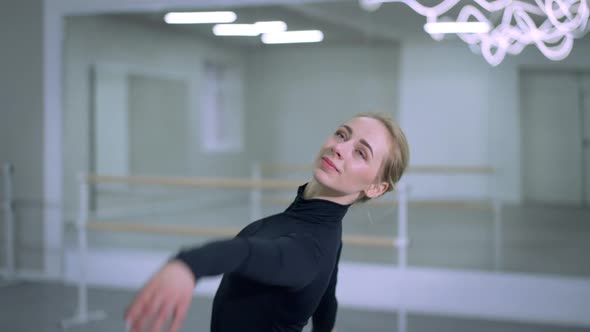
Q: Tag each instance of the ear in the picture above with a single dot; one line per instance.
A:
(376, 189)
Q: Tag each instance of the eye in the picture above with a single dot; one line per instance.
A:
(340, 134)
(362, 154)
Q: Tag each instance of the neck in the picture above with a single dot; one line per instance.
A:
(315, 190)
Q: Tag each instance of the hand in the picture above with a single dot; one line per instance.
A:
(168, 293)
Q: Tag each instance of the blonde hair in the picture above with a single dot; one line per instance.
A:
(396, 163)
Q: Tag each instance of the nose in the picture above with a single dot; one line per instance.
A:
(338, 149)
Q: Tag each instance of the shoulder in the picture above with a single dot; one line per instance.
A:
(251, 228)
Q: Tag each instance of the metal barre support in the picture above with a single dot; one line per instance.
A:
(82, 316)
(7, 207)
(402, 238)
(256, 194)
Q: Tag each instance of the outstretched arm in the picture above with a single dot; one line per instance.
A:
(277, 261)
(324, 317)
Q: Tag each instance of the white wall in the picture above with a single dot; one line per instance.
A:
(506, 115)
(458, 110)
(21, 122)
(159, 131)
(298, 95)
(91, 40)
(110, 128)
(444, 105)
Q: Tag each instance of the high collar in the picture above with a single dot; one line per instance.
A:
(315, 209)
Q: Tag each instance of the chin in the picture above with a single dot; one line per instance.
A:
(324, 179)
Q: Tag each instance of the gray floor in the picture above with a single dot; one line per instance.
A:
(39, 307)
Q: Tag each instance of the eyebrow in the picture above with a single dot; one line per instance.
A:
(362, 140)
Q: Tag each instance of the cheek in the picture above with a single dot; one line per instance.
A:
(320, 154)
(323, 148)
(362, 173)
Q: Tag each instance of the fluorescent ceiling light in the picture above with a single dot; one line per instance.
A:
(249, 29)
(199, 17)
(456, 27)
(271, 26)
(235, 30)
(288, 37)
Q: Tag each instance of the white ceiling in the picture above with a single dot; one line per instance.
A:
(342, 21)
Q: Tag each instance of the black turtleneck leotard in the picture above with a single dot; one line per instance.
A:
(278, 271)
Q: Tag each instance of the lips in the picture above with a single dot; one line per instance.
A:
(330, 164)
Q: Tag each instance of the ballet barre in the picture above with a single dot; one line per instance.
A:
(84, 224)
(200, 182)
(451, 204)
(269, 168)
(135, 227)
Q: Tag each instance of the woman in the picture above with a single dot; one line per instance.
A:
(281, 270)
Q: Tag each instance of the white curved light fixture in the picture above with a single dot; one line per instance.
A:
(562, 22)
(456, 27)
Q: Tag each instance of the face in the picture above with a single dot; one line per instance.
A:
(350, 160)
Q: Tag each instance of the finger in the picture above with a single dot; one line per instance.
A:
(161, 318)
(179, 314)
(138, 302)
(152, 305)
(133, 316)
(149, 312)
(138, 313)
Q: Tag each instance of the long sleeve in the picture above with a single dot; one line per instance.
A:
(324, 317)
(291, 260)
